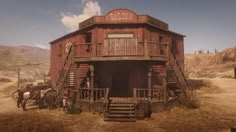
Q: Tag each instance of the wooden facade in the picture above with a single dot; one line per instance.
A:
(123, 54)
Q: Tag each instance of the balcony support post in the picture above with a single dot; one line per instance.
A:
(149, 84)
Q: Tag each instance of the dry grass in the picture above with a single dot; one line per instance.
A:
(3, 79)
(29, 122)
(190, 100)
(204, 119)
(209, 87)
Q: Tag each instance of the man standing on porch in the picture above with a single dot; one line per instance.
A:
(87, 85)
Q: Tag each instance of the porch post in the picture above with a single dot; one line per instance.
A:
(146, 48)
(149, 84)
(92, 82)
(78, 81)
(165, 93)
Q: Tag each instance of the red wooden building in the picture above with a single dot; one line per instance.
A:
(125, 56)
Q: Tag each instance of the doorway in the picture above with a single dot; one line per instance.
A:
(120, 84)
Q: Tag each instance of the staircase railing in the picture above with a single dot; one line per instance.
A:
(142, 94)
(93, 95)
(177, 70)
(66, 67)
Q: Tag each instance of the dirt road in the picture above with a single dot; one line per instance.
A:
(7, 103)
(226, 98)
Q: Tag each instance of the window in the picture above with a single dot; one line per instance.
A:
(174, 46)
(120, 35)
(60, 50)
(88, 40)
(162, 51)
(160, 39)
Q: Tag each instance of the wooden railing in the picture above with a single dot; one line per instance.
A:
(142, 94)
(93, 95)
(157, 49)
(121, 47)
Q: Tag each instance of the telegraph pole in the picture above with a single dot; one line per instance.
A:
(18, 75)
(234, 61)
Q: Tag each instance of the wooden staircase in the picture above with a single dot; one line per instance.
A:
(64, 73)
(120, 112)
(176, 79)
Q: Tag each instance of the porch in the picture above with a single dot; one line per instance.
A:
(120, 82)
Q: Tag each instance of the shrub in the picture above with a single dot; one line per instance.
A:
(190, 99)
(5, 79)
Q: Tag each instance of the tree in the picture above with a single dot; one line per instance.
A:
(200, 51)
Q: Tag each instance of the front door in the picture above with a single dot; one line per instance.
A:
(120, 84)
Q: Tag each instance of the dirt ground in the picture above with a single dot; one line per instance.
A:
(225, 99)
(216, 113)
(7, 104)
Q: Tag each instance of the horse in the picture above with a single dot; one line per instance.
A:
(48, 99)
(25, 96)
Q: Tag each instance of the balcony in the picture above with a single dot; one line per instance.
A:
(120, 49)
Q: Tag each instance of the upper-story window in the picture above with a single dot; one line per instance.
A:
(88, 40)
(60, 50)
(160, 39)
(120, 35)
(174, 46)
(162, 50)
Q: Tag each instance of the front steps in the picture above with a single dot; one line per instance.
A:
(120, 112)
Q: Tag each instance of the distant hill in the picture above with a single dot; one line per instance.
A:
(220, 64)
(31, 60)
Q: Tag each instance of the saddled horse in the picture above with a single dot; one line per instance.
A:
(42, 94)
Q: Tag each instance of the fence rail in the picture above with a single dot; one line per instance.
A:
(93, 94)
(142, 94)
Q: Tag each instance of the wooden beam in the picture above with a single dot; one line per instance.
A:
(165, 92)
(92, 82)
(149, 84)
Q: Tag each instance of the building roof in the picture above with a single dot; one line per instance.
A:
(120, 17)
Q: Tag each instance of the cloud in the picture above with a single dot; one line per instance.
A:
(42, 46)
(91, 8)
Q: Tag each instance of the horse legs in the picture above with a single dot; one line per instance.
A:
(24, 104)
(19, 102)
(20, 99)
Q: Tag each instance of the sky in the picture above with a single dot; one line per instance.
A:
(207, 24)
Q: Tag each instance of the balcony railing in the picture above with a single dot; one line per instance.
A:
(113, 47)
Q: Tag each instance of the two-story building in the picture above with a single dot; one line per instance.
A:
(121, 55)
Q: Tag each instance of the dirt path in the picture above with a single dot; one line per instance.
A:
(226, 98)
(7, 103)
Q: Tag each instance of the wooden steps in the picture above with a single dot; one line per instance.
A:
(120, 112)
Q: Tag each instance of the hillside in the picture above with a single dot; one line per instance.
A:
(32, 61)
(220, 64)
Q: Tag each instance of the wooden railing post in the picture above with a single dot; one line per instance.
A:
(146, 48)
(165, 93)
(149, 84)
(92, 82)
(135, 93)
